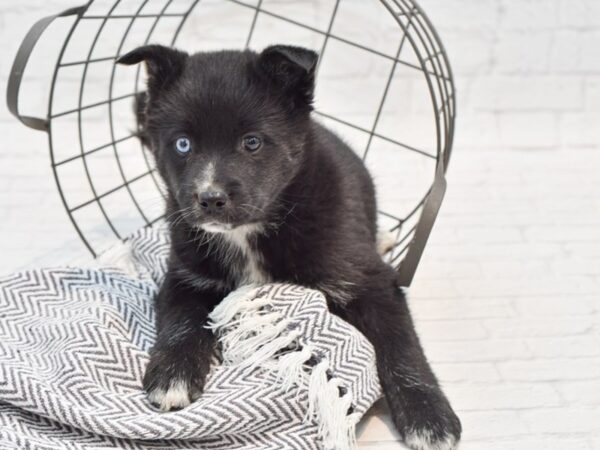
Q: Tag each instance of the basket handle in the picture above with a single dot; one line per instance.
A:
(20, 62)
(409, 264)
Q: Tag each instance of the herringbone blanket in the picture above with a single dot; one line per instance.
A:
(74, 344)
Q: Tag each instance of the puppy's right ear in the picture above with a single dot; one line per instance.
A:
(292, 69)
(164, 64)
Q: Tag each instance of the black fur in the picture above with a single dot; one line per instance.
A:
(311, 195)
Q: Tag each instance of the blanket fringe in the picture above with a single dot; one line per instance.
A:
(253, 335)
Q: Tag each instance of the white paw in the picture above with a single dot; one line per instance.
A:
(176, 397)
(385, 241)
(426, 440)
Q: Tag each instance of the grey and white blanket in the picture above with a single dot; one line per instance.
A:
(74, 344)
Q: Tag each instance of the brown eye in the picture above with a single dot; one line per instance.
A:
(252, 143)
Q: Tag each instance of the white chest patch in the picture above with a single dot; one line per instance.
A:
(252, 272)
(239, 254)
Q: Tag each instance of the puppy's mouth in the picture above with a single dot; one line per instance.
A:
(216, 227)
(243, 229)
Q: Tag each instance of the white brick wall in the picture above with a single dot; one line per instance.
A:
(507, 299)
(537, 58)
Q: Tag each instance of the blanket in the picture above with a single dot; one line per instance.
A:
(74, 344)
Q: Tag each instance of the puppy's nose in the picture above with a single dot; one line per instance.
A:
(212, 201)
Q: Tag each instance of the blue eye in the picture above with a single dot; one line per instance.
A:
(183, 145)
(252, 143)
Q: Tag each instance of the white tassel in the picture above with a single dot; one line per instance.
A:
(243, 298)
(254, 343)
(351, 422)
(269, 350)
(316, 386)
(253, 336)
(243, 340)
(290, 367)
(338, 413)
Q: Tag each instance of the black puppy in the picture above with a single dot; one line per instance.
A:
(258, 192)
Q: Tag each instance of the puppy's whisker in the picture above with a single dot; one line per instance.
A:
(245, 206)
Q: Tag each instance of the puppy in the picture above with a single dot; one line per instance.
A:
(259, 192)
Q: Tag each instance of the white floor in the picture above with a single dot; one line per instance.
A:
(507, 301)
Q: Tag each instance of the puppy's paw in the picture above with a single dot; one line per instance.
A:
(176, 396)
(428, 439)
(426, 421)
(172, 381)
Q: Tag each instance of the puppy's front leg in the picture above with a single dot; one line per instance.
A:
(181, 356)
(419, 408)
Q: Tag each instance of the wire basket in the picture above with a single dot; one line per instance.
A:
(383, 83)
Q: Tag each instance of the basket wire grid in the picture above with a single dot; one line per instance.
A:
(93, 107)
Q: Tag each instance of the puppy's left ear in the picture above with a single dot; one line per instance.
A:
(292, 69)
(164, 64)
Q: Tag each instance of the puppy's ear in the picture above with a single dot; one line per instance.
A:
(164, 64)
(292, 69)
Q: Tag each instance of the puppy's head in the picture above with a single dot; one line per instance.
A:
(227, 128)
